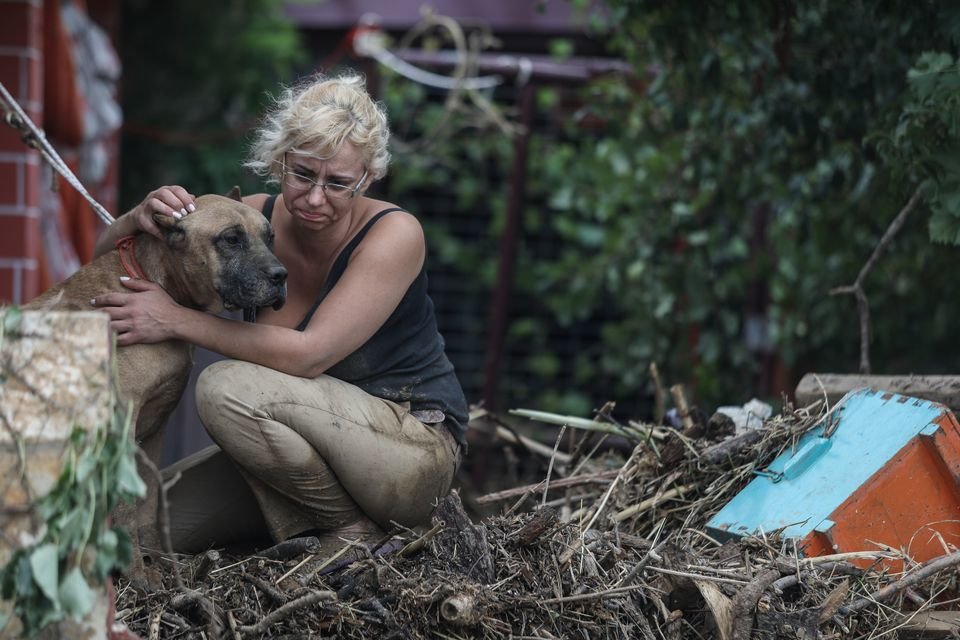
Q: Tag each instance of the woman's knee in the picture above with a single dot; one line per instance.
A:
(220, 386)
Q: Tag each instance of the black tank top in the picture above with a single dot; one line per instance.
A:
(404, 361)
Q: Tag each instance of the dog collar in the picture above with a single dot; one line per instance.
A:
(128, 257)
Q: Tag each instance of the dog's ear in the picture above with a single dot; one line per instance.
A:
(235, 193)
(173, 233)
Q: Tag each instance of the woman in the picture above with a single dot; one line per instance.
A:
(340, 410)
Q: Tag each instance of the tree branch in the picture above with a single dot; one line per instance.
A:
(931, 568)
(856, 289)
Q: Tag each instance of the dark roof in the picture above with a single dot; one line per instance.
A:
(551, 16)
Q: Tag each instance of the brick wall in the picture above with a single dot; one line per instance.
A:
(21, 73)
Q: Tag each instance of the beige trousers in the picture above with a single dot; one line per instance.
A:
(297, 454)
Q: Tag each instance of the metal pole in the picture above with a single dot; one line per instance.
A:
(500, 311)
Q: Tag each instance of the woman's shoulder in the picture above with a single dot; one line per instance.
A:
(373, 206)
(396, 227)
(393, 215)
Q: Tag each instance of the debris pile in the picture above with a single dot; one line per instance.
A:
(601, 547)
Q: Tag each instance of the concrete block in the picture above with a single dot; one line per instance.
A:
(55, 372)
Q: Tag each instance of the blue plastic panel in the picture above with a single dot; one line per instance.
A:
(807, 484)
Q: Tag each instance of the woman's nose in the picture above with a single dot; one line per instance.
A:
(316, 194)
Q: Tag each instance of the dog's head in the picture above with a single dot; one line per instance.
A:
(226, 251)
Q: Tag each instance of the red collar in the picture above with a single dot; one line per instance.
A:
(126, 247)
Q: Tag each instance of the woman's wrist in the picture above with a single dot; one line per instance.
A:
(179, 323)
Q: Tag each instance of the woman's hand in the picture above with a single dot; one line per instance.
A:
(171, 200)
(145, 315)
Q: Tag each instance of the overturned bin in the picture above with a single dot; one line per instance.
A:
(880, 471)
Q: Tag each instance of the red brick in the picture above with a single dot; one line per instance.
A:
(34, 67)
(10, 140)
(19, 237)
(16, 28)
(31, 187)
(29, 285)
(18, 284)
(11, 184)
(11, 70)
(33, 240)
(6, 286)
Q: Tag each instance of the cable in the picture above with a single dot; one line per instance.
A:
(32, 136)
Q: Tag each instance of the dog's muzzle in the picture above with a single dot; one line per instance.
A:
(246, 286)
(276, 275)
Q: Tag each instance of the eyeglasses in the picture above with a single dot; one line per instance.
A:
(301, 182)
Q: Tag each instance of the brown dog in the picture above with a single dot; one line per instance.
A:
(217, 258)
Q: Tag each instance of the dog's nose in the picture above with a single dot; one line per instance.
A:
(277, 274)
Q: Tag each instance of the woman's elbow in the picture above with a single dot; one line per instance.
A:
(307, 368)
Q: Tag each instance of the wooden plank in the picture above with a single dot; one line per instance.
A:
(944, 389)
(929, 625)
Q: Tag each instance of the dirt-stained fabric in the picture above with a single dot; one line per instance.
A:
(297, 454)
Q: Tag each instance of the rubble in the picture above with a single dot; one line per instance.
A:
(605, 545)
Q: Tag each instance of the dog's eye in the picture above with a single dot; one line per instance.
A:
(232, 239)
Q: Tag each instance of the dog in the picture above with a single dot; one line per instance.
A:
(217, 258)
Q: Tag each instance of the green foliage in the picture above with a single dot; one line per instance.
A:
(192, 93)
(51, 578)
(700, 211)
(924, 147)
(737, 183)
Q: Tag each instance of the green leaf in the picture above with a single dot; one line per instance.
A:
(23, 575)
(108, 555)
(944, 228)
(85, 465)
(44, 562)
(76, 596)
(12, 319)
(124, 552)
(128, 480)
(561, 48)
(664, 306)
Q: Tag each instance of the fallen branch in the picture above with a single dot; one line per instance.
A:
(515, 438)
(292, 548)
(650, 502)
(419, 543)
(543, 520)
(588, 424)
(608, 593)
(719, 453)
(683, 409)
(208, 562)
(200, 609)
(931, 568)
(659, 404)
(746, 600)
(278, 597)
(562, 483)
(258, 629)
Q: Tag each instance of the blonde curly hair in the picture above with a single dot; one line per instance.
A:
(317, 117)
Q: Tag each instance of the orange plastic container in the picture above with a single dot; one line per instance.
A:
(882, 470)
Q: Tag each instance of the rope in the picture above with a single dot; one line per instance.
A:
(33, 137)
